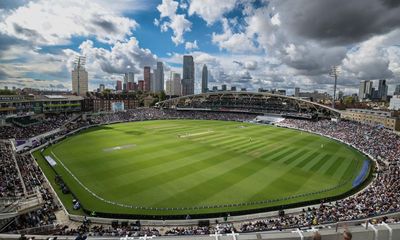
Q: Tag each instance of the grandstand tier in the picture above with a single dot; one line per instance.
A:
(251, 102)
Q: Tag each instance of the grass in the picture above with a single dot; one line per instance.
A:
(195, 166)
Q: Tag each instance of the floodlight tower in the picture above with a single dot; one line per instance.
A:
(79, 64)
(334, 73)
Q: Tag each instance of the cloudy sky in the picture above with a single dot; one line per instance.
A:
(246, 43)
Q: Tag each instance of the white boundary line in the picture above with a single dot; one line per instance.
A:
(86, 188)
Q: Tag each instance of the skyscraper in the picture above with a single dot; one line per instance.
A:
(188, 75)
(159, 78)
(102, 87)
(204, 79)
(382, 90)
(131, 77)
(169, 84)
(125, 84)
(365, 90)
(147, 78)
(177, 89)
(152, 83)
(80, 77)
(297, 92)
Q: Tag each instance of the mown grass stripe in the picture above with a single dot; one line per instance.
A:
(307, 159)
(332, 169)
(296, 156)
(320, 163)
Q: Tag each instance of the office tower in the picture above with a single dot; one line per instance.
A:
(169, 87)
(188, 75)
(233, 89)
(176, 78)
(131, 77)
(159, 78)
(147, 79)
(80, 77)
(365, 90)
(125, 85)
(297, 92)
(204, 79)
(152, 83)
(102, 87)
(382, 90)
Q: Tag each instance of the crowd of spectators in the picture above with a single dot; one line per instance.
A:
(31, 174)
(44, 125)
(144, 114)
(33, 180)
(10, 181)
(45, 215)
(92, 230)
(201, 230)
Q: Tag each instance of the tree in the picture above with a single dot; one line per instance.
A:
(162, 96)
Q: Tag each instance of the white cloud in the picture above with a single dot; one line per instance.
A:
(123, 56)
(167, 8)
(375, 58)
(156, 22)
(176, 22)
(179, 25)
(233, 42)
(53, 22)
(211, 10)
(191, 45)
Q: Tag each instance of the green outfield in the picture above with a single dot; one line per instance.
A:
(171, 167)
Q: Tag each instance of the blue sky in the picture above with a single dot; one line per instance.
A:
(245, 43)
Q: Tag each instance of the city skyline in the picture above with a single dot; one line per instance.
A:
(246, 44)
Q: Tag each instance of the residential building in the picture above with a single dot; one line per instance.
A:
(80, 84)
(141, 85)
(147, 79)
(373, 117)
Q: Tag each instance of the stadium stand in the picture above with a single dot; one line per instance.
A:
(20, 177)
